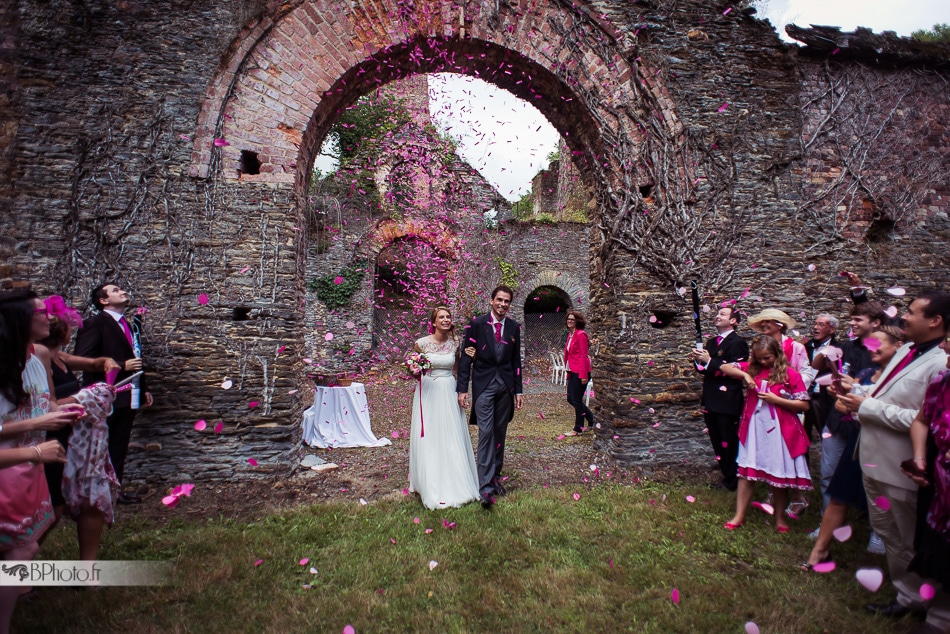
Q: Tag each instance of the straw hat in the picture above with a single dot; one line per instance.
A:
(770, 314)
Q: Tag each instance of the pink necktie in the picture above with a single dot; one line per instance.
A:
(497, 332)
(718, 340)
(128, 331)
(911, 353)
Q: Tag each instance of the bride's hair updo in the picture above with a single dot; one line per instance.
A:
(435, 313)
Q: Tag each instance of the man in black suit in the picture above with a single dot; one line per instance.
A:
(109, 334)
(723, 397)
(823, 335)
(496, 386)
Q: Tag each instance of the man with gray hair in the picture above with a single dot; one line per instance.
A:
(823, 335)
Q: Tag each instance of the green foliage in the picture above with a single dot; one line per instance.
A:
(509, 274)
(365, 123)
(940, 33)
(554, 155)
(337, 295)
(523, 207)
(544, 218)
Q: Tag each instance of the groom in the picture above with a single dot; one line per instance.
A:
(496, 386)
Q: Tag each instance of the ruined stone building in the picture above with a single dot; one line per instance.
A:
(169, 145)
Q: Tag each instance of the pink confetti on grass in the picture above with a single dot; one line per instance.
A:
(170, 501)
(824, 567)
(541, 415)
(396, 434)
(252, 462)
(433, 564)
(577, 496)
(561, 437)
(201, 425)
(203, 299)
(258, 562)
(415, 520)
(927, 592)
(304, 561)
(675, 596)
(842, 533)
(690, 499)
(392, 541)
(349, 629)
(751, 628)
(428, 530)
(882, 503)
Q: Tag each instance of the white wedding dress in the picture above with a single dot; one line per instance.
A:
(441, 458)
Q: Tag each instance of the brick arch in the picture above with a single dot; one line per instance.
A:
(575, 290)
(285, 78)
(387, 231)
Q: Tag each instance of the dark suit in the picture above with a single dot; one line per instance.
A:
(102, 336)
(723, 398)
(496, 378)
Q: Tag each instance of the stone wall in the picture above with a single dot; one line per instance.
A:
(689, 126)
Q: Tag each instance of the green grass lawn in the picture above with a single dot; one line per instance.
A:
(541, 561)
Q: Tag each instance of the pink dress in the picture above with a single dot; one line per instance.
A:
(772, 441)
(26, 511)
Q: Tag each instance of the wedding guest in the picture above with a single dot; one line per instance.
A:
(94, 512)
(723, 396)
(578, 364)
(775, 394)
(823, 334)
(930, 438)
(25, 414)
(777, 324)
(885, 416)
(846, 483)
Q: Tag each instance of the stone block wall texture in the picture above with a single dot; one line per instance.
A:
(112, 171)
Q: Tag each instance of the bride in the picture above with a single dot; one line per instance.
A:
(441, 460)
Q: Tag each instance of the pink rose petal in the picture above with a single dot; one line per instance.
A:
(328, 336)
(226, 384)
(871, 343)
(690, 499)
(927, 592)
(349, 629)
(200, 425)
(304, 561)
(882, 503)
(253, 404)
(812, 267)
(170, 501)
(338, 279)
(896, 291)
(203, 299)
(842, 533)
(577, 496)
(258, 562)
(751, 628)
(218, 427)
(428, 530)
(870, 578)
(252, 462)
(433, 564)
(415, 520)
(824, 567)
(675, 596)
(891, 311)
(220, 143)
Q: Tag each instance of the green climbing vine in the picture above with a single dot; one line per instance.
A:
(509, 274)
(336, 290)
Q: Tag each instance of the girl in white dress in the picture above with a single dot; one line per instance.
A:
(441, 458)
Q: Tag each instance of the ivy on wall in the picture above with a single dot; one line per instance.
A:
(337, 290)
(509, 274)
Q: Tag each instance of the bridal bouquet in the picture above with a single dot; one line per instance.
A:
(417, 363)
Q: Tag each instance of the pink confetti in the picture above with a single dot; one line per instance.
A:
(201, 425)
(896, 291)
(675, 596)
(727, 11)
(392, 541)
(395, 434)
(541, 415)
(226, 384)
(245, 269)
(870, 578)
(635, 400)
(751, 628)
(349, 629)
(824, 567)
(252, 462)
(415, 520)
(170, 501)
(927, 592)
(220, 143)
(281, 349)
(577, 496)
(891, 311)
(253, 404)
(184, 137)
(882, 503)
(203, 299)
(328, 336)
(218, 427)
(304, 561)
(428, 530)
(690, 499)
(338, 279)
(723, 107)
(433, 564)
(561, 437)
(871, 343)
(258, 562)
(842, 533)
(812, 267)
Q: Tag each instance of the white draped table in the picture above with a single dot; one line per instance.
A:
(339, 417)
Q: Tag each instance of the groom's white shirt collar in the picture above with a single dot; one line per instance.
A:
(496, 321)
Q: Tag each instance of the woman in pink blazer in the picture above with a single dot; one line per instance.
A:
(577, 362)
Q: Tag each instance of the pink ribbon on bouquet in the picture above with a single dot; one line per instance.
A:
(422, 420)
